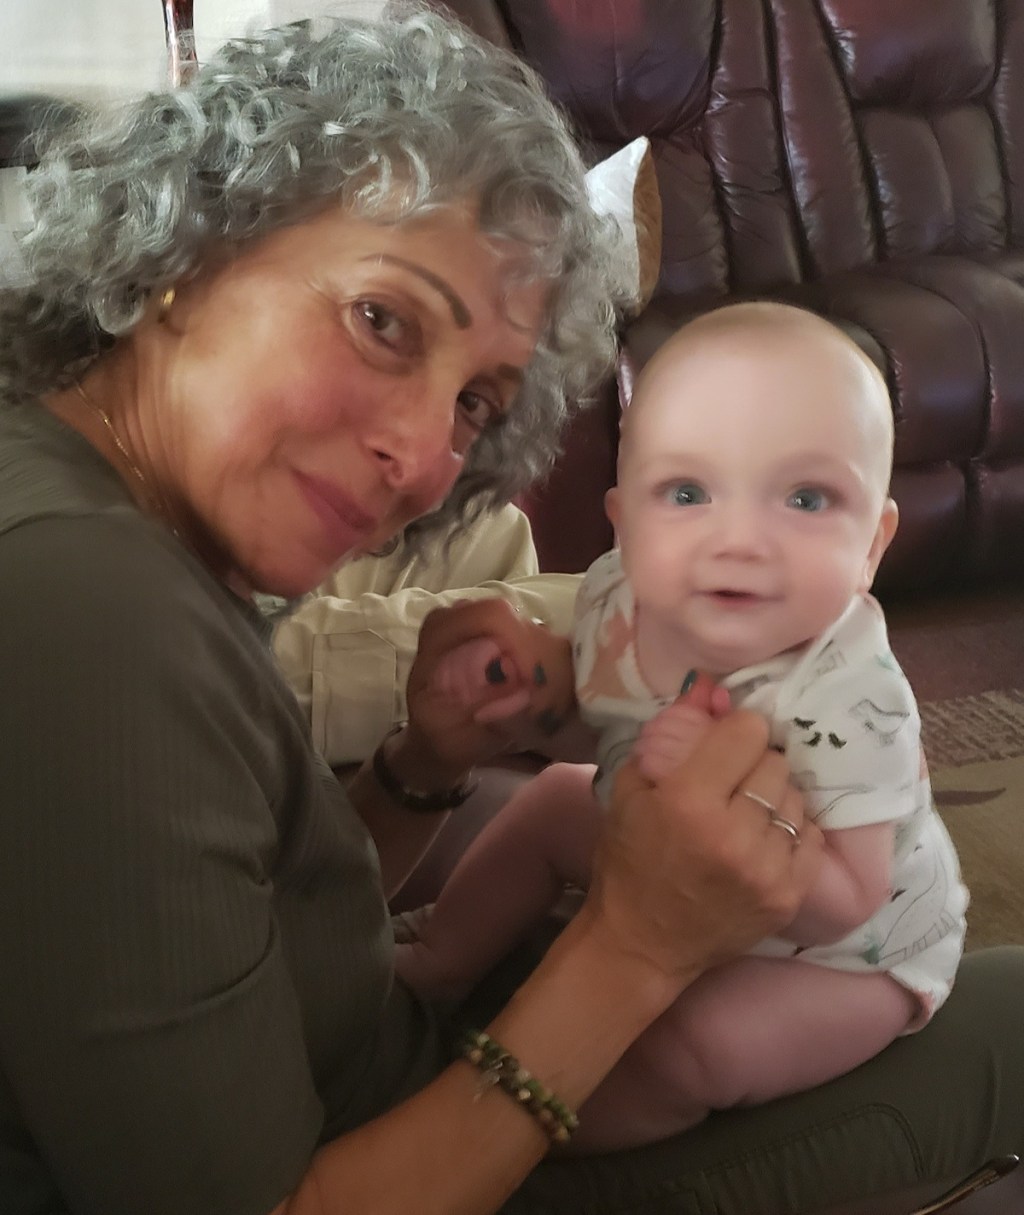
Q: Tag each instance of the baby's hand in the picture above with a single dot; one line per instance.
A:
(670, 738)
(486, 678)
(467, 676)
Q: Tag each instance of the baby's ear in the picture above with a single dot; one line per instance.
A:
(611, 506)
(883, 538)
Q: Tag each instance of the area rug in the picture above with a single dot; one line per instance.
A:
(966, 662)
(975, 746)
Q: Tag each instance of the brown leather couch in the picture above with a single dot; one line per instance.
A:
(865, 160)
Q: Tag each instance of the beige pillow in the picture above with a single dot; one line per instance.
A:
(625, 186)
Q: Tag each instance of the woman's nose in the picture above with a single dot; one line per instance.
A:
(428, 478)
(413, 444)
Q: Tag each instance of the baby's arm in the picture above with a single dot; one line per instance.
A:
(856, 870)
(854, 744)
(854, 880)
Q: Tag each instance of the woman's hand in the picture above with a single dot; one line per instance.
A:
(484, 678)
(476, 660)
(691, 871)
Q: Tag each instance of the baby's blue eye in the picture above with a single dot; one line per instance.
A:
(807, 499)
(688, 494)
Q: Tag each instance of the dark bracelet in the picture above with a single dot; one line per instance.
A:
(414, 799)
(498, 1067)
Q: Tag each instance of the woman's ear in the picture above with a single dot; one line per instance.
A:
(884, 533)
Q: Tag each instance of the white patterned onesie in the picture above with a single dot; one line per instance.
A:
(844, 715)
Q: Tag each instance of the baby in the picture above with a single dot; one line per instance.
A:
(751, 513)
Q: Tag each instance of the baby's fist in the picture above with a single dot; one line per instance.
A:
(670, 737)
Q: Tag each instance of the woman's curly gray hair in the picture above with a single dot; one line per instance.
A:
(389, 118)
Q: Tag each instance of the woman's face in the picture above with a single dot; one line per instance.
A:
(319, 392)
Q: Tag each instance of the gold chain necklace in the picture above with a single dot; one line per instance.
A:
(150, 497)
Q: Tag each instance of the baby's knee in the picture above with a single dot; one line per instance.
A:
(564, 790)
(565, 780)
(702, 1056)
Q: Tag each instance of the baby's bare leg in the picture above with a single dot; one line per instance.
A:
(749, 1031)
(510, 877)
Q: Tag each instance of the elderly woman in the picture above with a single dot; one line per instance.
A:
(337, 285)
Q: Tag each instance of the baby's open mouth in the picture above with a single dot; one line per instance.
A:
(734, 597)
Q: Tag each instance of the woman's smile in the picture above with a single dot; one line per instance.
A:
(345, 523)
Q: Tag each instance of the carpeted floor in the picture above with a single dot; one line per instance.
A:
(965, 658)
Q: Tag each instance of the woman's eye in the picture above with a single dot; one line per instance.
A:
(477, 409)
(688, 494)
(387, 326)
(808, 499)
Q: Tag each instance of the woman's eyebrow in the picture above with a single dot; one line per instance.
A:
(461, 314)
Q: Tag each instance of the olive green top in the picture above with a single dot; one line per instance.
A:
(195, 954)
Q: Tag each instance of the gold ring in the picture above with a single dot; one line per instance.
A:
(785, 824)
(761, 801)
(775, 819)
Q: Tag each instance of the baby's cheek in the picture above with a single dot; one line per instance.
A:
(829, 575)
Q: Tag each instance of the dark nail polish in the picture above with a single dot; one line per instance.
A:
(689, 681)
(493, 672)
(539, 677)
(549, 722)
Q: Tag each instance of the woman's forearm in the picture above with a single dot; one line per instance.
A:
(686, 875)
(453, 1149)
(400, 835)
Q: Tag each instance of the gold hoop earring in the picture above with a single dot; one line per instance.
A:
(166, 300)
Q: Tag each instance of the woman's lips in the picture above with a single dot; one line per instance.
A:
(345, 523)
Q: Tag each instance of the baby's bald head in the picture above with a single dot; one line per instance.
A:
(788, 350)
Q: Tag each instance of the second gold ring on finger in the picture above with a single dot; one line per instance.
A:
(787, 825)
(775, 819)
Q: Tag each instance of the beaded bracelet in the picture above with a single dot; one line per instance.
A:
(498, 1067)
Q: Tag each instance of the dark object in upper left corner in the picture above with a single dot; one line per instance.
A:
(22, 116)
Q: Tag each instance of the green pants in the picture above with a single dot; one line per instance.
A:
(931, 1108)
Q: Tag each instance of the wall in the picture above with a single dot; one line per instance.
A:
(90, 48)
(100, 49)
